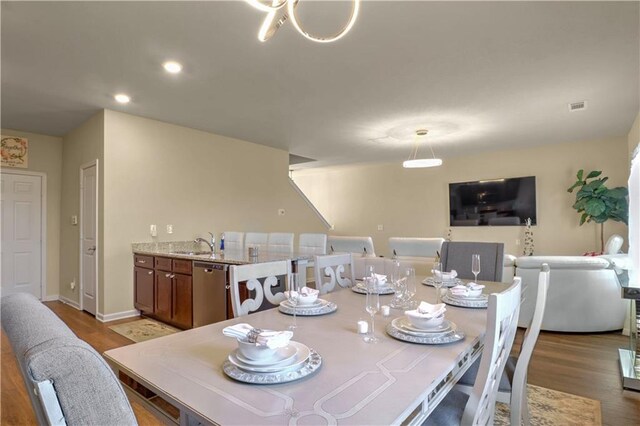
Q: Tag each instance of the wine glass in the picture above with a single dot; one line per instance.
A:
(398, 284)
(293, 294)
(372, 307)
(410, 288)
(475, 266)
(437, 279)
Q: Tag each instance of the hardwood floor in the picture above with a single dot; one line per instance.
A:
(581, 364)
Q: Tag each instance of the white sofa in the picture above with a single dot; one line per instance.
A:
(584, 294)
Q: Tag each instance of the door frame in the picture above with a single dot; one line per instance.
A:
(96, 253)
(43, 224)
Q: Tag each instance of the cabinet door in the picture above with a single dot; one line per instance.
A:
(163, 295)
(183, 300)
(143, 289)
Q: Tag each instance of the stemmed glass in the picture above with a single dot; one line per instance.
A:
(398, 285)
(372, 307)
(475, 266)
(410, 289)
(294, 288)
(437, 279)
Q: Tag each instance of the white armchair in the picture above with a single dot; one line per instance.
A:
(584, 294)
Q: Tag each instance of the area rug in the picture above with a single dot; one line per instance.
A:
(144, 329)
(549, 407)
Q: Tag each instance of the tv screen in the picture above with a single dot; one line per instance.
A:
(495, 202)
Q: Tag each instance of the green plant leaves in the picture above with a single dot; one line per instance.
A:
(593, 174)
(595, 202)
(594, 207)
(579, 174)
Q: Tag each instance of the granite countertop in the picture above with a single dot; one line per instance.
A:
(180, 249)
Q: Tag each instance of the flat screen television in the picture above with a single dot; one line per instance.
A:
(495, 202)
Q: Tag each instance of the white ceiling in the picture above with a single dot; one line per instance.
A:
(479, 75)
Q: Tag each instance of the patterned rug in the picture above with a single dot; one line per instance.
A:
(552, 408)
(144, 329)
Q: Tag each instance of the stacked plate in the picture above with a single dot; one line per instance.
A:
(382, 290)
(318, 307)
(292, 362)
(478, 302)
(402, 329)
(448, 283)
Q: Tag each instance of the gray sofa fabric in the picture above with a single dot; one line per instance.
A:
(87, 390)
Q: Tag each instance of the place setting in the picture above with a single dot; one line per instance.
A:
(268, 356)
(305, 302)
(378, 283)
(466, 296)
(425, 325)
(442, 279)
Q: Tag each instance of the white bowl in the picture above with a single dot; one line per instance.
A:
(255, 352)
(420, 321)
(307, 299)
(474, 293)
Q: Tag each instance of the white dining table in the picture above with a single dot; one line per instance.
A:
(390, 382)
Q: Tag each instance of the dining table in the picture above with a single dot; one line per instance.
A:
(180, 377)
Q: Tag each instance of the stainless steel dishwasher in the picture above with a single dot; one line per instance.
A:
(209, 293)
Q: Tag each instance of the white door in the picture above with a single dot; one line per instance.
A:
(88, 242)
(21, 234)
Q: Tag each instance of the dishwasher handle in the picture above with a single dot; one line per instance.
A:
(210, 267)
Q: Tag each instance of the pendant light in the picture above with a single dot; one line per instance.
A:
(414, 162)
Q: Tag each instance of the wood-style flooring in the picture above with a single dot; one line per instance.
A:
(581, 364)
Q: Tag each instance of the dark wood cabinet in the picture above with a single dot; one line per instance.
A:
(164, 295)
(182, 300)
(143, 288)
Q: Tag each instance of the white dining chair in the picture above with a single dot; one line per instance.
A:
(312, 244)
(234, 241)
(260, 278)
(358, 245)
(256, 239)
(333, 266)
(512, 389)
(280, 242)
(478, 407)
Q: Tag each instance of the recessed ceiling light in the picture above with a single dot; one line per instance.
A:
(122, 98)
(172, 66)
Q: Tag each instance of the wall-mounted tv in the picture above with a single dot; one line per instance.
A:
(495, 202)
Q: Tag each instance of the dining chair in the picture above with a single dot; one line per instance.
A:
(359, 245)
(478, 407)
(260, 278)
(257, 239)
(234, 241)
(512, 389)
(312, 244)
(280, 242)
(457, 255)
(333, 266)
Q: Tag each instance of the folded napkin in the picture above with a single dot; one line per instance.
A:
(271, 339)
(463, 290)
(382, 279)
(427, 310)
(446, 276)
(304, 292)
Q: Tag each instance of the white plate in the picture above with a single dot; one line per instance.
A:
(280, 355)
(445, 284)
(474, 298)
(403, 324)
(382, 291)
(308, 367)
(318, 303)
(466, 303)
(301, 355)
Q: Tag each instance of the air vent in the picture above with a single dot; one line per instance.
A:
(577, 106)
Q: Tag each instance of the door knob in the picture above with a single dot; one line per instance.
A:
(91, 250)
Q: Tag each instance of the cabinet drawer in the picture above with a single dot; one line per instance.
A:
(163, 263)
(182, 266)
(143, 261)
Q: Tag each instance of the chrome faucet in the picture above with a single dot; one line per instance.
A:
(212, 244)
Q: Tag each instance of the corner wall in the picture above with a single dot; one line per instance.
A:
(415, 202)
(45, 156)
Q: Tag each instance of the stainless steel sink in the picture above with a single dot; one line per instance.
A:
(191, 253)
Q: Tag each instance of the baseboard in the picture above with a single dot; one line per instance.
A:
(69, 302)
(117, 315)
(51, 298)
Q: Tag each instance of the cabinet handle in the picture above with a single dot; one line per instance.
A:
(140, 260)
(168, 276)
(172, 276)
(228, 287)
(150, 272)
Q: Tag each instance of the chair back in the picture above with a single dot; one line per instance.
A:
(315, 244)
(253, 274)
(519, 382)
(415, 247)
(334, 267)
(359, 245)
(281, 242)
(257, 239)
(502, 322)
(457, 255)
(234, 240)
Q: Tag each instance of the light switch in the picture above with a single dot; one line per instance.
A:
(74, 219)
(153, 230)
(169, 229)
(380, 227)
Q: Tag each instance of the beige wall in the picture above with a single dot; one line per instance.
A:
(45, 156)
(159, 173)
(415, 202)
(82, 145)
(634, 136)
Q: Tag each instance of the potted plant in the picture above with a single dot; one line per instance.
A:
(595, 202)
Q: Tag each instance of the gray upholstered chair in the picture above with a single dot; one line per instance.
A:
(512, 389)
(477, 408)
(457, 255)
